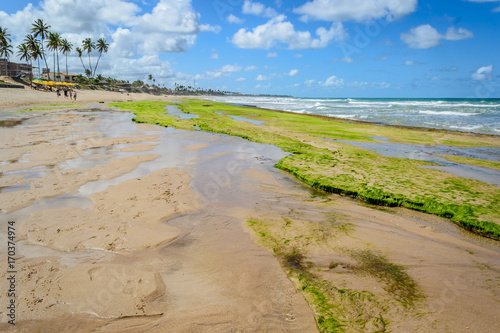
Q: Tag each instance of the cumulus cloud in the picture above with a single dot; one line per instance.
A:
(355, 10)
(257, 8)
(494, 10)
(482, 73)
(333, 81)
(422, 37)
(425, 36)
(309, 83)
(251, 68)
(461, 33)
(240, 79)
(134, 36)
(234, 19)
(224, 71)
(278, 31)
(293, 72)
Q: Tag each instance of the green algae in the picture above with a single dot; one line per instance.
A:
(340, 168)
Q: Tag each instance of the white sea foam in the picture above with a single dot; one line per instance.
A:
(465, 115)
(449, 113)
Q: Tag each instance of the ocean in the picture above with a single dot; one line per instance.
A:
(466, 115)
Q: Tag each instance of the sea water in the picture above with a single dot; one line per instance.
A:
(467, 115)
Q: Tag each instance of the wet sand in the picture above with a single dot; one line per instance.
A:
(133, 228)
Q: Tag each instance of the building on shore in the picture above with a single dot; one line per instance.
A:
(59, 77)
(13, 69)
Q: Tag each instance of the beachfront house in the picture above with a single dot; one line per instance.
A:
(14, 69)
(59, 77)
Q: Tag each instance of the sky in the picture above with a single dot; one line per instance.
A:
(307, 48)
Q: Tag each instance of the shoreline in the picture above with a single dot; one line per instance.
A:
(363, 121)
(356, 172)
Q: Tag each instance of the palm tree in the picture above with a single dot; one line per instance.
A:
(24, 53)
(36, 52)
(101, 47)
(5, 51)
(53, 44)
(66, 48)
(88, 45)
(4, 44)
(4, 36)
(41, 29)
(80, 52)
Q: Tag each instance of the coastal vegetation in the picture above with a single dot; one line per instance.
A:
(320, 161)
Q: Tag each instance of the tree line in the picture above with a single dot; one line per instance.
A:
(33, 48)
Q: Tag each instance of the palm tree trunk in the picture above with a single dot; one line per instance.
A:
(84, 69)
(54, 65)
(67, 63)
(90, 66)
(58, 69)
(95, 69)
(31, 73)
(45, 59)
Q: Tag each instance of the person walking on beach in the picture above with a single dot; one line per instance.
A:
(57, 92)
(74, 95)
(70, 94)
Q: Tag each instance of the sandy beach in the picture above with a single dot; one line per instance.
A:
(125, 227)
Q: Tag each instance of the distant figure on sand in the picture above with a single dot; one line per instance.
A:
(74, 95)
(57, 92)
(65, 93)
(70, 94)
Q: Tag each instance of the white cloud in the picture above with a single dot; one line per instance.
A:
(251, 68)
(411, 63)
(133, 35)
(234, 19)
(494, 10)
(422, 37)
(256, 8)
(261, 77)
(482, 73)
(215, 56)
(355, 10)
(425, 36)
(298, 55)
(309, 82)
(272, 55)
(365, 84)
(347, 59)
(263, 86)
(293, 72)
(240, 79)
(461, 33)
(224, 71)
(278, 31)
(333, 81)
(231, 68)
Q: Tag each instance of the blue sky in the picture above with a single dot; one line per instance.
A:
(315, 48)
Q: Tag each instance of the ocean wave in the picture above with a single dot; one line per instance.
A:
(449, 113)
